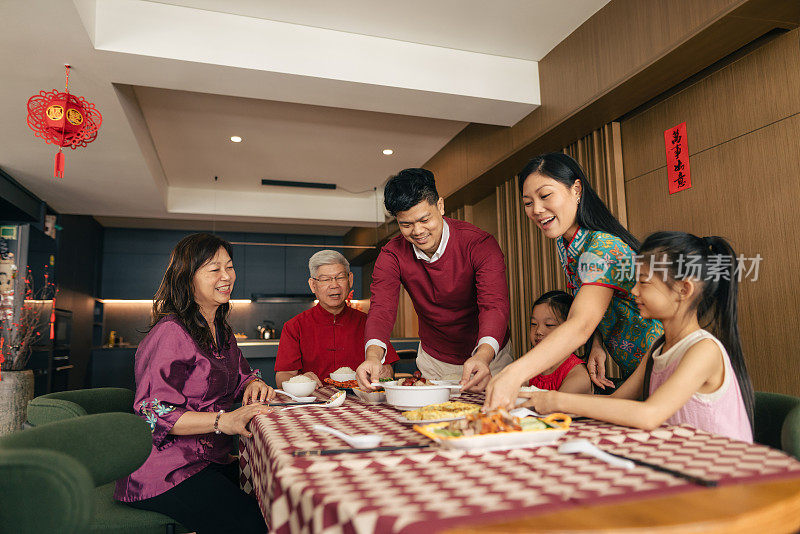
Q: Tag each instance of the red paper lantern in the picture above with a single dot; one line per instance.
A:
(63, 119)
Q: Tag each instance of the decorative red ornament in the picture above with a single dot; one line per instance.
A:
(63, 119)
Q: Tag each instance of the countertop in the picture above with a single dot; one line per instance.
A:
(258, 343)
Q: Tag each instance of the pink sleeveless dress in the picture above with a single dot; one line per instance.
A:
(721, 412)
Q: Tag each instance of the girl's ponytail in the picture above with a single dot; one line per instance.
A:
(722, 302)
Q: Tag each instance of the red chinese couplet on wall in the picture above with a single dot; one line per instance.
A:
(678, 175)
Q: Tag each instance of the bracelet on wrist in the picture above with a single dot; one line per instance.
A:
(216, 422)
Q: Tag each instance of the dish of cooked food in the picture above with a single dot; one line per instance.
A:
(416, 380)
(349, 384)
(343, 370)
(497, 430)
(499, 421)
(445, 410)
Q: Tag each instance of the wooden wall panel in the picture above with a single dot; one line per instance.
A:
(593, 59)
(745, 187)
(450, 167)
(626, 54)
(484, 214)
(756, 90)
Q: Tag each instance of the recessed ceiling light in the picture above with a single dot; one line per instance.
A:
(388, 151)
(236, 139)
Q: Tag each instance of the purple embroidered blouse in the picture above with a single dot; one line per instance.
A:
(173, 376)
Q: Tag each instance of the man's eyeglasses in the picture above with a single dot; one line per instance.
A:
(327, 280)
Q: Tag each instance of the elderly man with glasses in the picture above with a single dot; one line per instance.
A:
(330, 335)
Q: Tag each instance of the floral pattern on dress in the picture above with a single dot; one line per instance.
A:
(153, 409)
(626, 334)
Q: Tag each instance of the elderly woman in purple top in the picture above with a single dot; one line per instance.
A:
(189, 371)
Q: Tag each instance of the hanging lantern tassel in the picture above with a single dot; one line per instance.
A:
(58, 171)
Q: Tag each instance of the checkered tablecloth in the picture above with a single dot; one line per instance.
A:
(433, 489)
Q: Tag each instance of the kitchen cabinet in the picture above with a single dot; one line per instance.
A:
(134, 261)
(113, 367)
(296, 269)
(264, 267)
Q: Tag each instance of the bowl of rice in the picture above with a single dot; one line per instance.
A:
(299, 386)
(343, 374)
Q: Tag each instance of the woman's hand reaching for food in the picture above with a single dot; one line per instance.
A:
(503, 389)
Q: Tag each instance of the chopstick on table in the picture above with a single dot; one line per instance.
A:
(691, 478)
(324, 452)
(293, 403)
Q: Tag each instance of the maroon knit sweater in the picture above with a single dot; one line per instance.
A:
(459, 298)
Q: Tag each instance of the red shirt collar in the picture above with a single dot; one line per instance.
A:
(324, 316)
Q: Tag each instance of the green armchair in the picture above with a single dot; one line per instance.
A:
(777, 421)
(77, 403)
(49, 475)
(108, 514)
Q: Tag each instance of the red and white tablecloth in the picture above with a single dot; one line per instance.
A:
(434, 489)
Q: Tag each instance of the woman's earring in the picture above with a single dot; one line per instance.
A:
(578, 200)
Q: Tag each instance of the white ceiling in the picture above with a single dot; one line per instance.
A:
(315, 88)
(522, 29)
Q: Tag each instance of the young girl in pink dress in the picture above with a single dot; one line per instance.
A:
(569, 375)
(690, 376)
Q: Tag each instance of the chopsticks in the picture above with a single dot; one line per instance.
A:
(691, 478)
(294, 403)
(324, 452)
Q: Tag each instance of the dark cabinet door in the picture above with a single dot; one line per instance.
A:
(134, 261)
(241, 272)
(132, 276)
(264, 269)
(297, 263)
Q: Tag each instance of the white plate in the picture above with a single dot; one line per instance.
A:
(405, 421)
(502, 440)
(505, 440)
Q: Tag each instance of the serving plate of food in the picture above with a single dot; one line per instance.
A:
(347, 385)
(497, 430)
(436, 413)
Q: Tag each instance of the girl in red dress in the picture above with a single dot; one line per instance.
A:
(569, 375)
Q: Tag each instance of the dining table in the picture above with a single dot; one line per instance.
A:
(435, 489)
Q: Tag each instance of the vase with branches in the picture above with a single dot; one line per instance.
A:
(23, 323)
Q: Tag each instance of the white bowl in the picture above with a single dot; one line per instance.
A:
(343, 377)
(413, 397)
(299, 389)
(370, 397)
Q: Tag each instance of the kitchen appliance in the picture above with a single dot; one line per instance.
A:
(266, 330)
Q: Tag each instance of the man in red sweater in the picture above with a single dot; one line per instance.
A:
(455, 274)
(330, 335)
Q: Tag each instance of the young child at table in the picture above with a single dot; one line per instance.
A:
(569, 375)
(689, 376)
